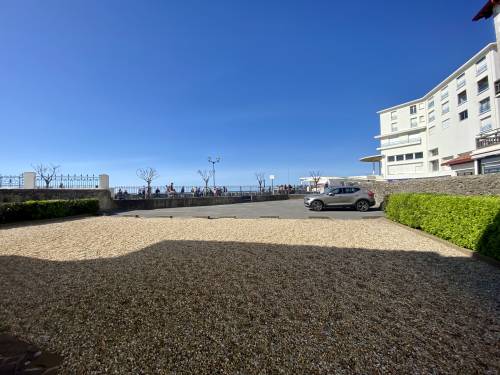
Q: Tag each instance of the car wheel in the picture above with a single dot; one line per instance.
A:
(362, 205)
(317, 205)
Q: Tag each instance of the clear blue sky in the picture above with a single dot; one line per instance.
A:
(282, 87)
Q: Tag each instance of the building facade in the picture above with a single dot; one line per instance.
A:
(452, 130)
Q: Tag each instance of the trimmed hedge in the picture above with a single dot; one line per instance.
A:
(35, 210)
(472, 222)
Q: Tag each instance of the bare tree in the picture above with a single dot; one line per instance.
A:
(148, 175)
(205, 176)
(46, 172)
(316, 176)
(261, 179)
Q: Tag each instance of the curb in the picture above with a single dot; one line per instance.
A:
(471, 254)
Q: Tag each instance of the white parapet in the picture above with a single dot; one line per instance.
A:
(29, 180)
(103, 181)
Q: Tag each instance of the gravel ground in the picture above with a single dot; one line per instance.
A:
(127, 295)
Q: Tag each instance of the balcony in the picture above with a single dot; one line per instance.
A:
(497, 88)
(488, 140)
(399, 143)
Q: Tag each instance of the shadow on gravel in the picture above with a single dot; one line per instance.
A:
(228, 307)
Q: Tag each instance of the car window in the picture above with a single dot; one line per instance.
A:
(336, 191)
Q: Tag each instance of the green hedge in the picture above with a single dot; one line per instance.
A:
(472, 222)
(35, 210)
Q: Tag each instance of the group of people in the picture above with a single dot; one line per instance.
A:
(286, 189)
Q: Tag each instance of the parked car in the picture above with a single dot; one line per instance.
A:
(341, 196)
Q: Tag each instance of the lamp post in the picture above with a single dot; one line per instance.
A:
(213, 161)
(272, 177)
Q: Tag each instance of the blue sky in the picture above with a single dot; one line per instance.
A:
(280, 87)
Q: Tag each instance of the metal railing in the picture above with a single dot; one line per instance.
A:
(69, 182)
(488, 140)
(13, 182)
(157, 192)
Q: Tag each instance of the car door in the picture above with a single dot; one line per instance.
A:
(333, 196)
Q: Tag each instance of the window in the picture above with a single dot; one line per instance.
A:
(434, 152)
(444, 93)
(413, 109)
(394, 127)
(446, 123)
(463, 115)
(400, 157)
(481, 66)
(350, 190)
(421, 106)
(413, 122)
(431, 116)
(434, 164)
(483, 85)
(461, 81)
(419, 155)
(394, 115)
(422, 118)
(484, 105)
(390, 158)
(409, 156)
(430, 103)
(445, 108)
(462, 97)
(486, 125)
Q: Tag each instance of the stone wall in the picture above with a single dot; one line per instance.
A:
(108, 204)
(21, 195)
(151, 204)
(461, 185)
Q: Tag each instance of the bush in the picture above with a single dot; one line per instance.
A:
(35, 210)
(472, 222)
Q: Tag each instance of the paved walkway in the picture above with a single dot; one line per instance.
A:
(289, 209)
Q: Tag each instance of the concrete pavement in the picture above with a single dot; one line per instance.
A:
(288, 209)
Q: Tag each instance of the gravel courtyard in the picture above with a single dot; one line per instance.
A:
(255, 296)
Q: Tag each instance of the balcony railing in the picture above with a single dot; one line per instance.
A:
(497, 88)
(488, 140)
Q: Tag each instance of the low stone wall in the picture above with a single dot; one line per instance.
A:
(151, 204)
(460, 185)
(22, 195)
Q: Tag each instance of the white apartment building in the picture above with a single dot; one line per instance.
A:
(454, 129)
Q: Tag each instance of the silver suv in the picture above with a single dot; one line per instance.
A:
(342, 196)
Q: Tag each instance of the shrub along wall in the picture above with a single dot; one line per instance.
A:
(35, 210)
(472, 222)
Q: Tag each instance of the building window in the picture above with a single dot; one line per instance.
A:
(445, 108)
(431, 116)
(419, 155)
(430, 103)
(413, 122)
(390, 158)
(461, 81)
(394, 115)
(434, 152)
(462, 97)
(464, 115)
(444, 93)
(421, 106)
(446, 123)
(400, 157)
(394, 127)
(413, 109)
(409, 157)
(484, 105)
(483, 85)
(486, 125)
(481, 66)
(422, 119)
(434, 164)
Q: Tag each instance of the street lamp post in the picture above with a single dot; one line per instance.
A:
(213, 161)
